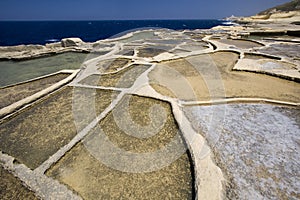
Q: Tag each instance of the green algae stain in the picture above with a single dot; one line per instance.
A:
(12, 72)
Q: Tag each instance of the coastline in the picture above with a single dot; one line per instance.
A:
(19, 32)
(239, 32)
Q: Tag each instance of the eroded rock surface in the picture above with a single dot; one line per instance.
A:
(92, 138)
(71, 42)
(257, 145)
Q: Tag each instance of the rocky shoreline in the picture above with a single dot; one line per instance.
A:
(25, 52)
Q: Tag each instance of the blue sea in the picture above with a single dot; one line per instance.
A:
(42, 32)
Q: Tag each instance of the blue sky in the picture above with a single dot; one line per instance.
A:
(129, 9)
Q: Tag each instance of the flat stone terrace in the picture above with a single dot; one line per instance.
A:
(158, 114)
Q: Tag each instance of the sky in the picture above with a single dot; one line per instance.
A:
(130, 9)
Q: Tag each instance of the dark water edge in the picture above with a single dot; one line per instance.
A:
(42, 32)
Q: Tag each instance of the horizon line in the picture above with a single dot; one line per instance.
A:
(35, 20)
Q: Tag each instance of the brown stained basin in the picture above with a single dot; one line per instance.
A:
(38, 132)
(150, 51)
(242, 44)
(12, 188)
(112, 65)
(196, 72)
(11, 94)
(91, 179)
(122, 79)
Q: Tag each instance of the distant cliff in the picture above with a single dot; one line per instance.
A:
(290, 6)
(286, 13)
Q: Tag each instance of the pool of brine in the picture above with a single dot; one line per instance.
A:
(12, 72)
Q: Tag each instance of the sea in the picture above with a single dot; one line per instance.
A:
(42, 32)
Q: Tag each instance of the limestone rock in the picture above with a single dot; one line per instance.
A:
(54, 45)
(71, 42)
(21, 48)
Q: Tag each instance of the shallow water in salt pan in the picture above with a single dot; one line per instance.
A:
(12, 72)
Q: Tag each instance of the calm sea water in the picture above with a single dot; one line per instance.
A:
(42, 32)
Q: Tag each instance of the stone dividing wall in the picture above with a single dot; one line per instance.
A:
(209, 179)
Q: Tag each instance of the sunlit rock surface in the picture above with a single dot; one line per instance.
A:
(154, 114)
(257, 145)
(71, 42)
